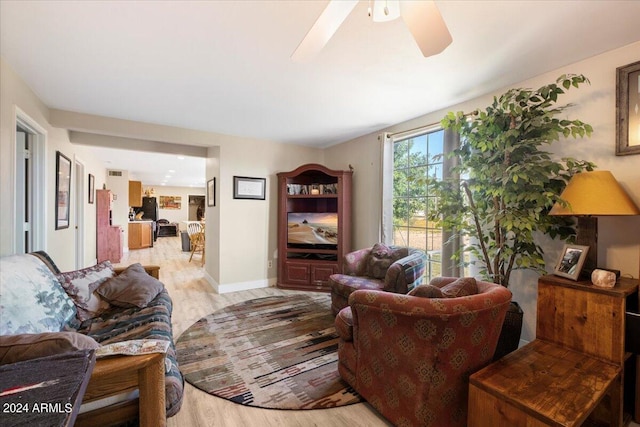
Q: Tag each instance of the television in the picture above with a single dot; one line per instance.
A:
(313, 230)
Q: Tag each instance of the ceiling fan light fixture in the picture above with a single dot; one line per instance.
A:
(385, 10)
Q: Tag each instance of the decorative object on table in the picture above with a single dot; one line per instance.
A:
(211, 192)
(628, 109)
(588, 195)
(171, 202)
(510, 183)
(249, 188)
(603, 278)
(92, 188)
(63, 190)
(276, 352)
(571, 261)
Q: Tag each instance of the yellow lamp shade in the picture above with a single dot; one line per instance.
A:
(595, 193)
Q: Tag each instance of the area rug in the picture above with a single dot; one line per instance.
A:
(276, 352)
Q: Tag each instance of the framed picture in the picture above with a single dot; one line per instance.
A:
(92, 188)
(249, 188)
(171, 202)
(211, 192)
(63, 190)
(571, 261)
(628, 109)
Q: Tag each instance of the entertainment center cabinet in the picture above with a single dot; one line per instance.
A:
(309, 251)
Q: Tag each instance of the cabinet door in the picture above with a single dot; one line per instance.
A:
(297, 273)
(320, 274)
(134, 235)
(145, 235)
(135, 194)
(114, 244)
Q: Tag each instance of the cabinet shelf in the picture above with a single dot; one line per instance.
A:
(312, 196)
(309, 268)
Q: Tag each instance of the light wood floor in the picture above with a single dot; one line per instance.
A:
(193, 298)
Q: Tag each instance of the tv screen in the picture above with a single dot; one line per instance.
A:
(312, 229)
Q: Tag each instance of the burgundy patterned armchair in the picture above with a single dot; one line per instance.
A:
(411, 356)
(387, 268)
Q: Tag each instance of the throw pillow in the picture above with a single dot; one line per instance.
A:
(134, 287)
(426, 291)
(380, 259)
(80, 285)
(461, 287)
(16, 348)
(31, 297)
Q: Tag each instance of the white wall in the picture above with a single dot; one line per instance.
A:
(619, 237)
(60, 244)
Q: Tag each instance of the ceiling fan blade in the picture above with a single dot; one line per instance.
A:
(331, 18)
(426, 25)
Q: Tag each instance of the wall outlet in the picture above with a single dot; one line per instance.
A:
(269, 264)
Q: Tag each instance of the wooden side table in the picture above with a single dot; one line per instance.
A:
(571, 372)
(45, 391)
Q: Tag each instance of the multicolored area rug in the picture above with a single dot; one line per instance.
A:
(276, 352)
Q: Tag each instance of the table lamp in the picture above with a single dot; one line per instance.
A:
(588, 195)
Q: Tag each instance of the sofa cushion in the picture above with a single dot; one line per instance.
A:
(426, 291)
(16, 348)
(134, 287)
(31, 298)
(81, 285)
(462, 287)
(381, 257)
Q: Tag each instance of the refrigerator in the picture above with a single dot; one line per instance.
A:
(150, 212)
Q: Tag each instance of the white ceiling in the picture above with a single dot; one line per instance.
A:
(223, 66)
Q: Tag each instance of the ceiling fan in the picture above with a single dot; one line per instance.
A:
(421, 16)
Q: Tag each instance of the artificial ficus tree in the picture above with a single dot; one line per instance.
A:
(507, 181)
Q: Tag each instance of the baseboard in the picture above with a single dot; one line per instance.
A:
(239, 286)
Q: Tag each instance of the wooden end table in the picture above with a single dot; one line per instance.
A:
(44, 391)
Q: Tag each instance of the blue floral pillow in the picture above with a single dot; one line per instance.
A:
(32, 300)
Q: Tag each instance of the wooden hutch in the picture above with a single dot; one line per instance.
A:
(313, 188)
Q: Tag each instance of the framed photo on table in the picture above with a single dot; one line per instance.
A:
(571, 261)
(63, 190)
(249, 188)
(92, 188)
(628, 109)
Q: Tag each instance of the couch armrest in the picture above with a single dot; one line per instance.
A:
(152, 270)
(344, 324)
(405, 272)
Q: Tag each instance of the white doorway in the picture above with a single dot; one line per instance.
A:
(29, 185)
(79, 212)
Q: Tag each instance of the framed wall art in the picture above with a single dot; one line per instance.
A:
(92, 188)
(63, 190)
(571, 261)
(211, 192)
(628, 109)
(249, 188)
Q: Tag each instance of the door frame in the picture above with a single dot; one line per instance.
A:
(38, 182)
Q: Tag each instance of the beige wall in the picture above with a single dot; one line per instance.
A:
(619, 238)
(243, 237)
(14, 94)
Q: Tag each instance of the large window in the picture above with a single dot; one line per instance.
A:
(414, 159)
